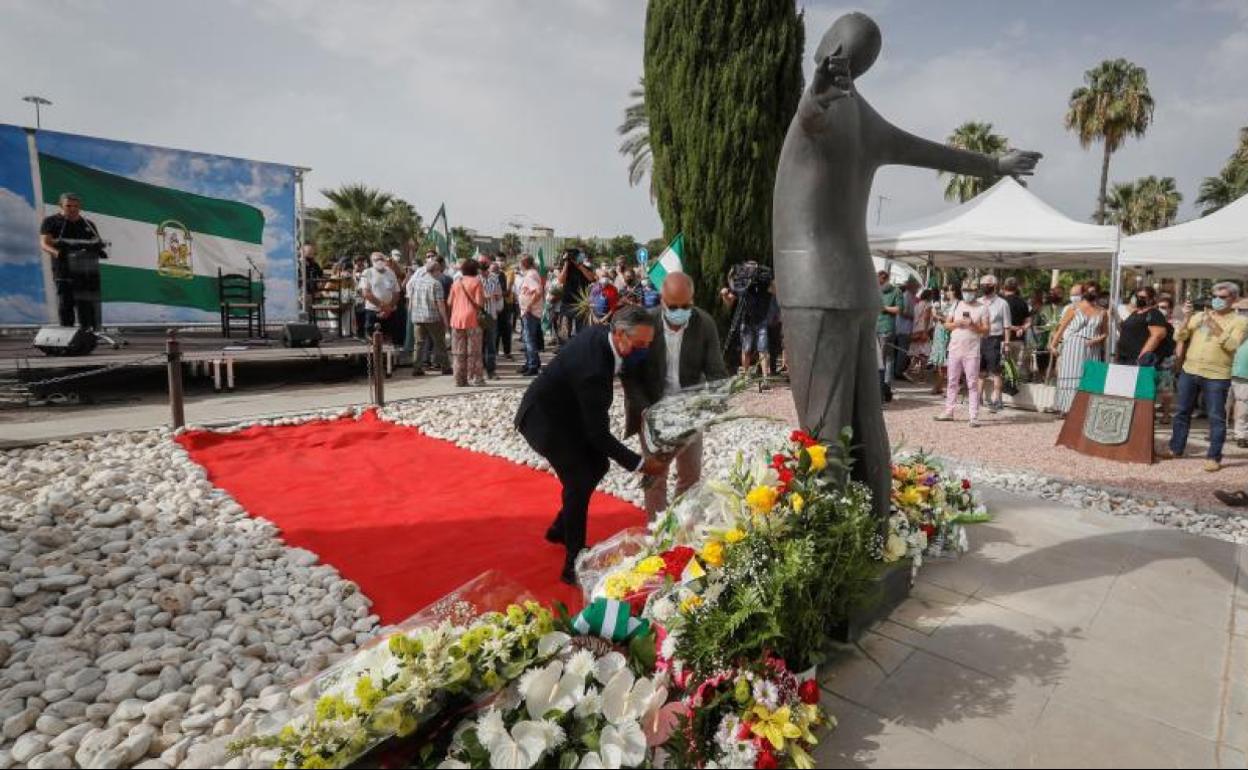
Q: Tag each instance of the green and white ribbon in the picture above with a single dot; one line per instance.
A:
(610, 619)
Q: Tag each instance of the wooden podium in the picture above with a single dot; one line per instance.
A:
(1112, 414)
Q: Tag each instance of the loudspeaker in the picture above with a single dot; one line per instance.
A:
(301, 335)
(64, 341)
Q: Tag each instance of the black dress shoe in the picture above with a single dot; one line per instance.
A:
(568, 575)
(553, 535)
(1233, 499)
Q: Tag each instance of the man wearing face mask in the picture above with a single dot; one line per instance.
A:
(564, 416)
(685, 353)
(380, 288)
(996, 342)
(1207, 345)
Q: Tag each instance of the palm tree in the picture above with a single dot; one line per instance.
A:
(1230, 184)
(363, 219)
(1148, 203)
(636, 132)
(1115, 103)
(976, 137)
(359, 199)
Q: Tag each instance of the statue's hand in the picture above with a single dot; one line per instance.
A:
(1018, 162)
(832, 80)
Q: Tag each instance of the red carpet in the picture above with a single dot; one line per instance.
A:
(407, 517)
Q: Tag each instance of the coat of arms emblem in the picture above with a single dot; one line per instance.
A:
(173, 249)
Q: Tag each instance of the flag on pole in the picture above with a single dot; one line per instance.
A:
(672, 260)
(1137, 382)
(541, 261)
(439, 235)
(166, 245)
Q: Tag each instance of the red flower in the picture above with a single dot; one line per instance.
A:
(779, 461)
(675, 561)
(766, 760)
(743, 731)
(803, 438)
(808, 691)
(786, 475)
(929, 530)
(966, 483)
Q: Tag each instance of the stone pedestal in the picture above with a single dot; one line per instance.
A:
(890, 588)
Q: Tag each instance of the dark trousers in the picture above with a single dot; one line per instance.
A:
(1214, 391)
(67, 304)
(531, 334)
(489, 347)
(506, 327)
(579, 473)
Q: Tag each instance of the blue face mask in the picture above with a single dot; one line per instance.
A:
(677, 317)
(636, 357)
(1218, 304)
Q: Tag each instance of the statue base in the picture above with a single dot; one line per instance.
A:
(890, 588)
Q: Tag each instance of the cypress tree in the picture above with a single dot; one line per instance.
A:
(722, 83)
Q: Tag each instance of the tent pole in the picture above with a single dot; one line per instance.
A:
(1115, 290)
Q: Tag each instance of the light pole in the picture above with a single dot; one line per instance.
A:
(38, 101)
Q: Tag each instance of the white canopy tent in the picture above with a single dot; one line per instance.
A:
(1215, 246)
(1004, 227)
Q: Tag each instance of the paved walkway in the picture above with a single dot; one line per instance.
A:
(1064, 639)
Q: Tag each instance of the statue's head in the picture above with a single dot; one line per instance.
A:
(854, 35)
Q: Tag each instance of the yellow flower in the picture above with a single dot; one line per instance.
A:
(762, 499)
(617, 586)
(689, 604)
(818, 457)
(734, 535)
(894, 549)
(774, 725)
(713, 553)
(649, 566)
(910, 498)
(798, 501)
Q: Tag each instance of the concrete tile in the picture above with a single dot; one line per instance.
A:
(1157, 590)
(1065, 602)
(888, 653)
(980, 715)
(854, 672)
(864, 739)
(1078, 736)
(1153, 636)
(927, 608)
(1235, 697)
(1145, 685)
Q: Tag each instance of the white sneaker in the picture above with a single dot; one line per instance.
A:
(975, 423)
(943, 417)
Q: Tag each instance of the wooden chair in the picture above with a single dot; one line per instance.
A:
(239, 298)
(329, 299)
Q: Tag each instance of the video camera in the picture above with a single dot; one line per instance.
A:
(74, 248)
(749, 276)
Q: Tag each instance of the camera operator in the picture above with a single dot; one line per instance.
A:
(74, 245)
(576, 277)
(751, 284)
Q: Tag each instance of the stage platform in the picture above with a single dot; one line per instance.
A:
(203, 352)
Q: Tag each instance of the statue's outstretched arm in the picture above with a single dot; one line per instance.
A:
(897, 147)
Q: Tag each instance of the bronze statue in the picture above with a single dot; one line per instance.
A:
(826, 281)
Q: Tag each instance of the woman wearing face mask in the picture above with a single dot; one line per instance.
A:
(467, 303)
(1143, 333)
(1080, 336)
(968, 323)
(939, 356)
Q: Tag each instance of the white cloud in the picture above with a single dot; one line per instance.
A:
(19, 231)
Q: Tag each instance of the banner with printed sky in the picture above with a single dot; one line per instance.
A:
(174, 220)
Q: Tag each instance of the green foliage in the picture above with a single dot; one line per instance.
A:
(723, 80)
(976, 137)
(464, 246)
(362, 219)
(655, 246)
(1114, 103)
(1148, 203)
(623, 246)
(1230, 184)
(636, 132)
(511, 245)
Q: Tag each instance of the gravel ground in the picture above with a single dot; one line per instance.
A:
(1016, 450)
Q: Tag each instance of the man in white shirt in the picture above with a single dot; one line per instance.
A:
(531, 299)
(685, 353)
(380, 288)
(994, 344)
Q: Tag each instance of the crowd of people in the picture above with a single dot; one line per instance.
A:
(983, 338)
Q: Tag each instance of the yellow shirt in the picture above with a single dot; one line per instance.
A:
(1209, 356)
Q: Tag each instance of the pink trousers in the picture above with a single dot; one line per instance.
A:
(961, 364)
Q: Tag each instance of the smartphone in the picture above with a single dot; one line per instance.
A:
(966, 314)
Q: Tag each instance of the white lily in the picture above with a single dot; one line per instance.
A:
(552, 689)
(628, 739)
(608, 666)
(552, 643)
(520, 749)
(615, 697)
(607, 758)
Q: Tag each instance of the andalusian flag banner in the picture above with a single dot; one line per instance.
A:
(439, 234)
(1138, 382)
(166, 245)
(610, 620)
(672, 260)
(541, 262)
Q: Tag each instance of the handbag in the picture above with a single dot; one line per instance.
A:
(484, 319)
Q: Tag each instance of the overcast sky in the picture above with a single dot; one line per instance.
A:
(507, 109)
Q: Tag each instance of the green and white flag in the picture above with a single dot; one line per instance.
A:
(439, 234)
(541, 262)
(672, 260)
(166, 245)
(1138, 382)
(610, 620)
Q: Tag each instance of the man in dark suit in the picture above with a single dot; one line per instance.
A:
(565, 417)
(685, 353)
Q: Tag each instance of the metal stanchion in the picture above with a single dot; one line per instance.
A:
(173, 354)
(379, 372)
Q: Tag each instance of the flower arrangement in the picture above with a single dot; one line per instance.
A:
(672, 422)
(754, 715)
(929, 510)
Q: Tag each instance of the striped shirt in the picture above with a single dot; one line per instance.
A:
(493, 293)
(425, 298)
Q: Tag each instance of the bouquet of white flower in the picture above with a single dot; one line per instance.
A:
(673, 421)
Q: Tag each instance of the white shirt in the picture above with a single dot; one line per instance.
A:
(382, 283)
(673, 339)
(998, 315)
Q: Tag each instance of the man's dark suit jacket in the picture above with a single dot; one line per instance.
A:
(565, 412)
(701, 360)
